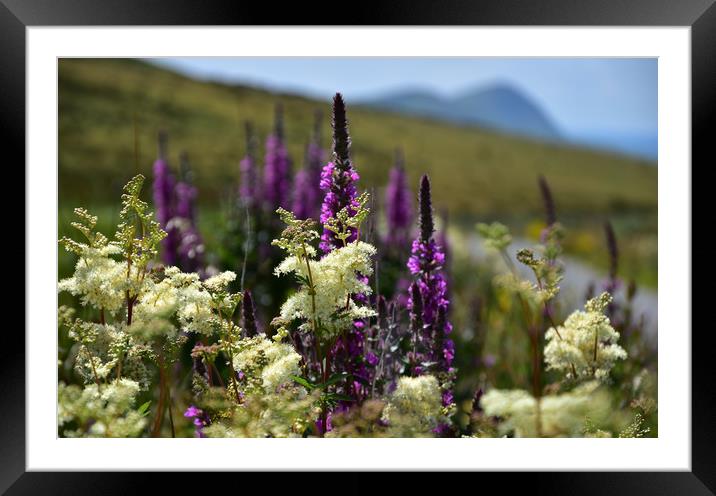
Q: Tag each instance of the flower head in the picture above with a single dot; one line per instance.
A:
(586, 344)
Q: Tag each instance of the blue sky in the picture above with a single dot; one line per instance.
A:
(591, 99)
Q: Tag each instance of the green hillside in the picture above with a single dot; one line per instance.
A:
(474, 172)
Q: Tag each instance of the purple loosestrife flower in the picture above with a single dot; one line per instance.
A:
(304, 195)
(249, 190)
(338, 181)
(307, 185)
(338, 178)
(398, 206)
(190, 245)
(426, 264)
(277, 169)
(201, 419)
(163, 191)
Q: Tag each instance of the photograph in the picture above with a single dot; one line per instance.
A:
(357, 247)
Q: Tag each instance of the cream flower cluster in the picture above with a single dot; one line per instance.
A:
(560, 414)
(586, 343)
(415, 407)
(107, 412)
(273, 362)
(335, 278)
(186, 296)
(99, 280)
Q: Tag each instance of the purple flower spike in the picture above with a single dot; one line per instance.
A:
(428, 302)
(398, 206)
(307, 185)
(338, 178)
(249, 190)
(163, 190)
(190, 245)
(277, 169)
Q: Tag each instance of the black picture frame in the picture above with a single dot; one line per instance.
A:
(700, 15)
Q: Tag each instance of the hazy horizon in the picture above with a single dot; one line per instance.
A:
(604, 103)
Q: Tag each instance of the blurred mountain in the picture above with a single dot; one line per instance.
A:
(499, 107)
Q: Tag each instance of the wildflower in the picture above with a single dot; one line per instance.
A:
(415, 407)
(426, 264)
(338, 275)
(586, 344)
(190, 248)
(249, 190)
(269, 363)
(338, 179)
(307, 184)
(95, 412)
(277, 168)
(164, 201)
(398, 205)
(559, 414)
(497, 236)
(200, 419)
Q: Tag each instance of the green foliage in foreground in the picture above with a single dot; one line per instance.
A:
(590, 376)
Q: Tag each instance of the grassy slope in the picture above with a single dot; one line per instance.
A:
(474, 172)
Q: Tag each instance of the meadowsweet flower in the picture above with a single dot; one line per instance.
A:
(338, 279)
(277, 168)
(99, 412)
(560, 414)
(586, 343)
(415, 407)
(99, 280)
(270, 362)
(496, 235)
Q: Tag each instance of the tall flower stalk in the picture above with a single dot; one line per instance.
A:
(190, 246)
(338, 181)
(398, 206)
(428, 303)
(163, 192)
(250, 188)
(277, 168)
(307, 185)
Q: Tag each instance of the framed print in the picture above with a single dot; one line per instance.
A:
(451, 238)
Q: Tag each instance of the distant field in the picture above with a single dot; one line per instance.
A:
(476, 174)
(473, 171)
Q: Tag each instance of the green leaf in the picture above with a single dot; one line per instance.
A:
(303, 382)
(336, 378)
(143, 410)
